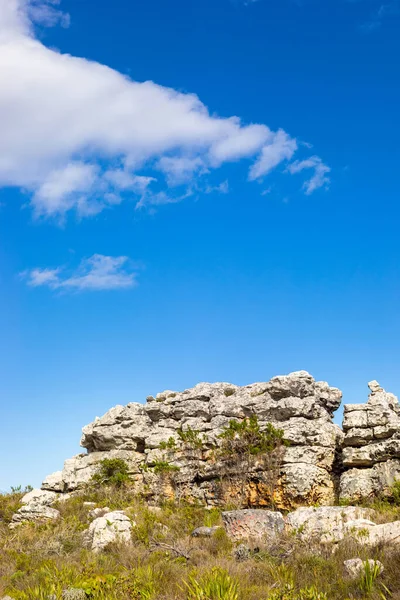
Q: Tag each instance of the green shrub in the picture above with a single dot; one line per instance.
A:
(160, 467)
(192, 438)
(246, 437)
(169, 445)
(112, 471)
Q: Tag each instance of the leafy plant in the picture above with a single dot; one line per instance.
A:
(215, 585)
(246, 437)
(160, 467)
(112, 471)
(368, 579)
(169, 445)
(192, 438)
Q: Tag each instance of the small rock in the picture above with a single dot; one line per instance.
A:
(355, 566)
(205, 532)
(90, 504)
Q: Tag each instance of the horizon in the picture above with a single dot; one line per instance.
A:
(192, 192)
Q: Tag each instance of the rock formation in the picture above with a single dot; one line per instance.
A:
(172, 444)
(296, 403)
(371, 452)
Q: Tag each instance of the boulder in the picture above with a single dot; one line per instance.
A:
(206, 532)
(113, 527)
(250, 524)
(326, 524)
(36, 508)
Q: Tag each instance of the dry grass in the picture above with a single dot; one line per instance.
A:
(38, 561)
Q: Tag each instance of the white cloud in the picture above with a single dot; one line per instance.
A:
(63, 118)
(45, 13)
(96, 273)
(221, 188)
(280, 147)
(180, 169)
(320, 177)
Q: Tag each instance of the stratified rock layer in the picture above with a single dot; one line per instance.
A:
(371, 453)
(296, 403)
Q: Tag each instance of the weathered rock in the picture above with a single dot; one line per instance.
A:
(113, 527)
(262, 525)
(370, 534)
(356, 567)
(36, 507)
(80, 469)
(206, 532)
(326, 524)
(98, 512)
(371, 453)
(34, 514)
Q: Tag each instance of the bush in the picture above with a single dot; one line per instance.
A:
(112, 471)
(192, 438)
(246, 438)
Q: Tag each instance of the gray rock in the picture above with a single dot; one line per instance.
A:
(205, 532)
(325, 524)
(250, 524)
(36, 508)
(113, 527)
(98, 512)
(356, 567)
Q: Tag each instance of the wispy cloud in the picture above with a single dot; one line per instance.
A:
(318, 180)
(65, 120)
(381, 12)
(96, 273)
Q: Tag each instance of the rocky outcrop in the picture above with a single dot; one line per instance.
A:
(147, 435)
(171, 445)
(371, 453)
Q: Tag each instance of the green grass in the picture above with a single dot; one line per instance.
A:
(165, 563)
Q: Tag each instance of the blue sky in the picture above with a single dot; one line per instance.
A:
(149, 240)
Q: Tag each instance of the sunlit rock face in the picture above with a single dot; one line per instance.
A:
(371, 453)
